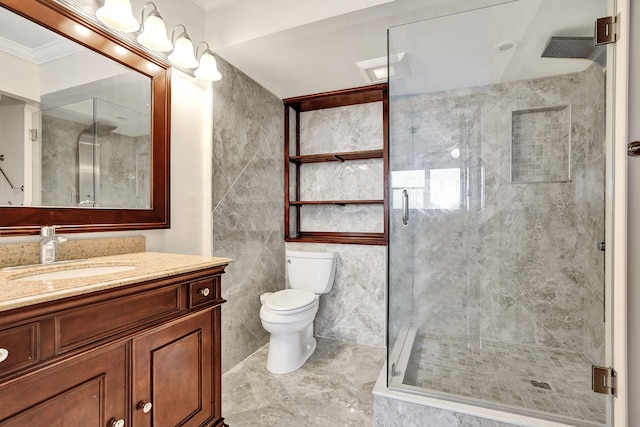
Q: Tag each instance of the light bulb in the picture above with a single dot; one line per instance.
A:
(182, 54)
(154, 35)
(117, 15)
(208, 69)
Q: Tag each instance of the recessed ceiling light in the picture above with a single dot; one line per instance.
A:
(504, 46)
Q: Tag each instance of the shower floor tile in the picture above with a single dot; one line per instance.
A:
(334, 388)
(535, 378)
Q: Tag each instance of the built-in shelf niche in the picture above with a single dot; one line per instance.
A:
(541, 145)
(337, 196)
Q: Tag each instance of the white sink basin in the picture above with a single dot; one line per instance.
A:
(73, 273)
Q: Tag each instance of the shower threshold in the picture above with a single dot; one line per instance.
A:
(540, 382)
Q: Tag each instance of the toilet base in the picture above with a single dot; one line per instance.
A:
(288, 353)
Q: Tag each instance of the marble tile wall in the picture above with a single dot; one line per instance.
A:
(247, 205)
(354, 311)
(59, 158)
(340, 129)
(121, 165)
(517, 262)
(350, 128)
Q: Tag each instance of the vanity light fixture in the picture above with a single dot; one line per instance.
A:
(117, 15)
(208, 69)
(182, 55)
(154, 32)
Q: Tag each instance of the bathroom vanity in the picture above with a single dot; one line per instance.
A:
(139, 347)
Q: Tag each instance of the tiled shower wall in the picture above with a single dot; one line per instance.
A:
(515, 262)
(247, 206)
(123, 167)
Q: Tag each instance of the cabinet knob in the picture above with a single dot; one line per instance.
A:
(204, 291)
(146, 407)
(117, 423)
(4, 353)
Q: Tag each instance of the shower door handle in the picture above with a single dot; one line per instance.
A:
(633, 149)
(405, 207)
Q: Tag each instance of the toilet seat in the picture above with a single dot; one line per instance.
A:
(290, 300)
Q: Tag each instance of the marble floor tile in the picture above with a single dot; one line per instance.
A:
(334, 388)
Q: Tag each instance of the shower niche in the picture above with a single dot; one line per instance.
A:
(92, 153)
(541, 145)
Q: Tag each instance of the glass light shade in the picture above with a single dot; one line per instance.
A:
(117, 15)
(182, 54)
(208, 69)
(154, 35)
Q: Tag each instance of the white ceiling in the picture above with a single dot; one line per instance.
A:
(26, 40)
(295, 47)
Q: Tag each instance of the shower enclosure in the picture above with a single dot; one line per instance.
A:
(94, 153)
(496, 269)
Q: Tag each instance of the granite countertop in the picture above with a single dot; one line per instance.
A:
(149, 265)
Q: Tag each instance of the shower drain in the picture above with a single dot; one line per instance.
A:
(539, 384)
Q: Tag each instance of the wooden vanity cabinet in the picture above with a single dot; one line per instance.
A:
(89, 390)
(142, 355)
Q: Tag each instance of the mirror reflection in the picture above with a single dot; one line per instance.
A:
(74, 125)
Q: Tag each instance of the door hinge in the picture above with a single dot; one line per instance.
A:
(33, 134)
(603, 380)
(602, 246)
(606, 30)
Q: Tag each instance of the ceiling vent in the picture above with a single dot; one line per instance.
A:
(376, 70)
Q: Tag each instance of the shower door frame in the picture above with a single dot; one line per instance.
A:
(616, 208)
(616, 179)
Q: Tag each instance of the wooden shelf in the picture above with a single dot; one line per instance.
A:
(338, 98)
(294, 160)
(338, 157)
(339, 237)
(336, 202)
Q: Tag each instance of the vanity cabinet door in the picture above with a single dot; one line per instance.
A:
(173, 373)
(87, 390)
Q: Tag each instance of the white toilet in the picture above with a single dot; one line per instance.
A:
(288, 314)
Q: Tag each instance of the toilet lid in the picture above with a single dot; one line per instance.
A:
(290, 299)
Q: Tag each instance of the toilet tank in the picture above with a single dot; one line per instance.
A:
(312, 271)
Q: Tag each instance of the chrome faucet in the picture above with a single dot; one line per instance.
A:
(49, 244)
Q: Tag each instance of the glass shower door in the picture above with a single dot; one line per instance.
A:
(497, 181)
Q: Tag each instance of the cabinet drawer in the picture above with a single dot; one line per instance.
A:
(86, 325)
(204, 291)
(19, 347)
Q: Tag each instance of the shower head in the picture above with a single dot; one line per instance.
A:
(575, 47)
(100, 129)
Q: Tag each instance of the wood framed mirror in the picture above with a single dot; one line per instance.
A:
(76, 214)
